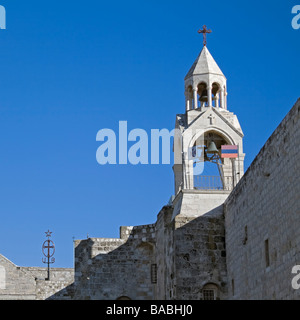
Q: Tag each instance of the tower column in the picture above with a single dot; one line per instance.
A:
(209, 93)
(217, 100)
(188, 105)
(222, 98)
(187, 101)
(225, 99)
(195, 91)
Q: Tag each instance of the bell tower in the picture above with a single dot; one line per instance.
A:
(208, 142)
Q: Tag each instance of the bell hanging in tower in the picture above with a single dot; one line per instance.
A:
(203, 97)
(212, 149)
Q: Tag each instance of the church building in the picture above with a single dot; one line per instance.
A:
(225, 234)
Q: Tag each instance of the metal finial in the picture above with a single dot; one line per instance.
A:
(204, 32)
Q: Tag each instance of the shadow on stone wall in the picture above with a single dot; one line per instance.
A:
(189, 254)
(108, 269)
(200, 256)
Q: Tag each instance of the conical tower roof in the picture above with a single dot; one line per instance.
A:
(204, 64)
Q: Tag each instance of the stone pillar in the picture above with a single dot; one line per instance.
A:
(222, 98)
(195, 90)
(187, 101)
(188, 105)
(188, 178)
(209, 93)
(217, 100)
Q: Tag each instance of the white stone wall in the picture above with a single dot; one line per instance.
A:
(16, 284)
(196, 203)
(28, 283)
(60, 278)
(265, 206)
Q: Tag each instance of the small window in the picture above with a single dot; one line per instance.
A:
(232, 286)
(153, 273)
(245, 235)
(123, 298)
(267, 254)
(209, 294)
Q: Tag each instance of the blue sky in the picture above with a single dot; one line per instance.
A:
(69, 69)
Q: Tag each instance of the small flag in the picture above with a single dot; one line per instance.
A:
(229, 152)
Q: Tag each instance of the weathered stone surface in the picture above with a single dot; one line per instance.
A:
(28, 283)
(265, 205)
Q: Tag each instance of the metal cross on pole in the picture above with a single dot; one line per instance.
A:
(204, 32)
(48, 251)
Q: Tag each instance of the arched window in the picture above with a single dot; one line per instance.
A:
(210, 292)
(211, 172)
(215, 94)
(203, 94)
(189, 98)
(123, 298)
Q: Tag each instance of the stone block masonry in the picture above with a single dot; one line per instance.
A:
(110, 269)
(262, 219)
(171, 259)
(199, 256)
(207, 243)
(200, 246)
(28, 283)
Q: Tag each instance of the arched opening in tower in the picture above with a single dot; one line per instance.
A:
(215, 94)
(210, 170)
(203, 94)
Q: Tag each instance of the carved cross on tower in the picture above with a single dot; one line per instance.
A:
(211, 119)
(204, 32)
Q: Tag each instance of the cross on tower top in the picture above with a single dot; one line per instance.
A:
(204, 32)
